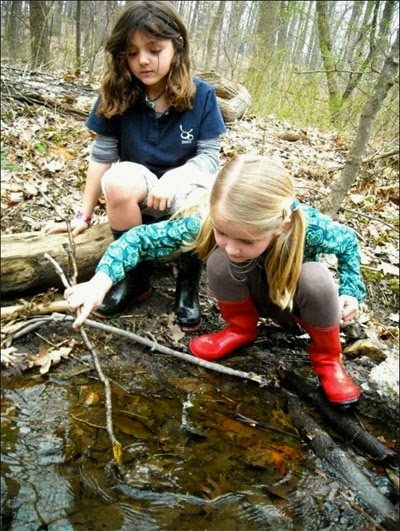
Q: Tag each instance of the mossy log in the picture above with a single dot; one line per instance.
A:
(25, 269)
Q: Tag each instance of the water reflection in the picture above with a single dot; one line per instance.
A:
(189, 460)
(34, 432)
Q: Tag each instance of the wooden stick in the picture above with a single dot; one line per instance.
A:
(341, 465)
(29, 308)
(116, 445)
(153, 345)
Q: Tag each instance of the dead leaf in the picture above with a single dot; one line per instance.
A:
(365, 347)
(175, 333)
(10, 356)
(46, 358)
(389, 269)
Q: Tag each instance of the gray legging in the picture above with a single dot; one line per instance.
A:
(316, 300)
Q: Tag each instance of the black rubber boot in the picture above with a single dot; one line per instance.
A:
(135, 287)
(187, 306)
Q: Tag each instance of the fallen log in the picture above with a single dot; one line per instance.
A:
(76, 99)
(24, 268)
(233, 98)
(346, 426)
(342, 465)
(27, 309)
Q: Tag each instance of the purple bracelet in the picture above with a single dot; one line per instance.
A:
(81, 216)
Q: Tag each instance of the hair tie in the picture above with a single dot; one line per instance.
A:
(295, 205)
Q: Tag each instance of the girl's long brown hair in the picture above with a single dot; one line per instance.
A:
(119, 88)
(257, 192)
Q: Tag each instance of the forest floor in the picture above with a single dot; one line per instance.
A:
(44, 157)
(45, 148)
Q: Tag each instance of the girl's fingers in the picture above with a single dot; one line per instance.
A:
(82, 315)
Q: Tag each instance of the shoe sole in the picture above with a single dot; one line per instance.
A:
(189, 328)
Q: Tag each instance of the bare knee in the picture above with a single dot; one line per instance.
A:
(122, 186)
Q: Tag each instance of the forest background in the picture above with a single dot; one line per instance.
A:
(308, 62)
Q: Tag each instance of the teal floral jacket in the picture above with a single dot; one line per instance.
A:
(323, 236)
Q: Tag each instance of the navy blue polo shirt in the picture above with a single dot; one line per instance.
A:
(167, 142)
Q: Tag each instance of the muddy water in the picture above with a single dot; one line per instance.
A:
(191, 458)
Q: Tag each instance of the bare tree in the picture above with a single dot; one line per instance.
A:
(215, 30)
(348, 175)
(38, 23)
(13, 28)
(365, 46)
(325, 44)
(78, 39)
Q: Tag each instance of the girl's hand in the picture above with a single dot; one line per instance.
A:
(164, 191)
(53, 227)
(348, 308)
(87, 296)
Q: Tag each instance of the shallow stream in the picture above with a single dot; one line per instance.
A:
(188, 462)
(201, 451)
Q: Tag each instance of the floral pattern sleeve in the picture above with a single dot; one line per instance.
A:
(325, 236)
(147, 242)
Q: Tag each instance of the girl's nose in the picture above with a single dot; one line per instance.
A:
(232, 249)
(143, 59)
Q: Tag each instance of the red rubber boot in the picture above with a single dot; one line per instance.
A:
(242, 318)
(326, 359)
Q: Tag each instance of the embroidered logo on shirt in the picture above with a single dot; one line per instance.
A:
(186, 136)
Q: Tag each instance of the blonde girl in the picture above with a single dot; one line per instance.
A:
(261, 247)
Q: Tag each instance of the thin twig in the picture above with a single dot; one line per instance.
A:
(87, 422)
(116, 445)
(358, 213)
(58, 269)
(154, 346)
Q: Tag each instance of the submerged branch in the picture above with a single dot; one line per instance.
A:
(116, 445)
(153, 345)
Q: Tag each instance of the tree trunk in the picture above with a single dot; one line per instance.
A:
(13, 28)
(352, 33)
(39, 32)
(25, 269)
(325, 45)
(78, 39)
(234, 50)
(374, 103)
(215, 29)
(354, 78)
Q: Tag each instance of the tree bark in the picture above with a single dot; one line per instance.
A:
(38, 24)
(78, 39)
(215, 30)
(13, 28)
(25, 269)
(325, 45)
(374, 103)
